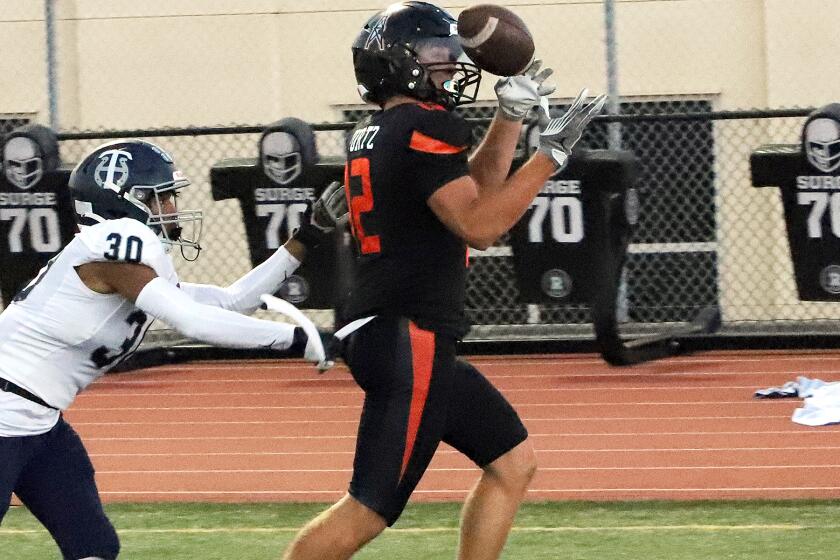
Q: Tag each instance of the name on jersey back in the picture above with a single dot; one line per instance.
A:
(28, 199)
(363, 138)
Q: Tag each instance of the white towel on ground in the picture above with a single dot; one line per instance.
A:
(821, 405)
(822, 400)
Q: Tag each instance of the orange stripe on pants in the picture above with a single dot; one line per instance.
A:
(422, 359)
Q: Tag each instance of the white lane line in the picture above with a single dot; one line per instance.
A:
(610, 404)
(711, 359)
(798, 433)
(235, 454)
(552, 370)
(676, 490)
(474, 469)
(355, 421)
(635, 375)
(454, 452)
(665, 387)
(464, 492)
(513, 361)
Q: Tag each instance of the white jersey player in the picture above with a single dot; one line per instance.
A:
(89, 308)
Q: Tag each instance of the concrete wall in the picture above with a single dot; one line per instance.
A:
(124, 63)
(165, 63)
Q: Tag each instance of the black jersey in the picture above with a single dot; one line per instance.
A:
(409, 263)
(36, 222)
(812, 217)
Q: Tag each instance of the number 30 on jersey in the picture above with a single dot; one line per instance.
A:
(131, 250)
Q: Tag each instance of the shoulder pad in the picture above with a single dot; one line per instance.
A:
(123, 240)
(437, 131)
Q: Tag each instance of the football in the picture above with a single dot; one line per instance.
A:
(495, 39)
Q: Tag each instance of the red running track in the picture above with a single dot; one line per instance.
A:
(682, 428)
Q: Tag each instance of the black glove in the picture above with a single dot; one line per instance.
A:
(320, 219)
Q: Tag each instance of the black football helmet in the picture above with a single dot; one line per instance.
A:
(120, 179)
(401, 47)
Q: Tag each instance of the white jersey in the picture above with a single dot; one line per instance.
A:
(58, 335)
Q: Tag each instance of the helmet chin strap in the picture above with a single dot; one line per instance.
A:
(168, 244)
(173, 237)
(197, 250)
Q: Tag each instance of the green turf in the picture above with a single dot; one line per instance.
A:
(783, 530)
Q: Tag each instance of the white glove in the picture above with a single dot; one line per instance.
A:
(314, 351)
(518, 94)
(558, 136)
(330, 208)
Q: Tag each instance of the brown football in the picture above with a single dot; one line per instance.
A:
(495, 39)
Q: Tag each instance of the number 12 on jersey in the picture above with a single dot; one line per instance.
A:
(357, 177)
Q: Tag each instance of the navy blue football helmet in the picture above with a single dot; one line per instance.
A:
(402, 47)
(120, 179)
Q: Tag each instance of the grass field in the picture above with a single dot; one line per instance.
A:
(558, 530)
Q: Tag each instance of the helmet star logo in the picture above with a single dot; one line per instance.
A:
(375, 35)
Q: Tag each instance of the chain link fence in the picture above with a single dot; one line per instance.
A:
(705, 236)
(9, 124)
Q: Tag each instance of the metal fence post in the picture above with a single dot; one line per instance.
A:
(52, 78)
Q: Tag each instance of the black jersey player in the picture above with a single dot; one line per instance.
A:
(418, 197)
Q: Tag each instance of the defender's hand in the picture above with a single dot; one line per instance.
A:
(558, 136)
(518, 94)
(314, 348)
(321, 218)
(330, 208)
(312, 353)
